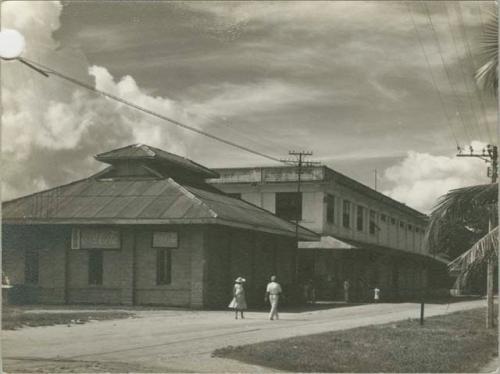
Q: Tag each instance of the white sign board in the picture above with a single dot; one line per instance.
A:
(99, 238)
(165, 239)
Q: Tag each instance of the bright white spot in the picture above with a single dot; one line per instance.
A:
(11, 44)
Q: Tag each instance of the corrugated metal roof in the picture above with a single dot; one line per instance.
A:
(336, 243)
(146, 152)
(154, 201)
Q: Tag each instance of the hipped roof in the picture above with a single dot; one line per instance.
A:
(143, 152)
(149, 201)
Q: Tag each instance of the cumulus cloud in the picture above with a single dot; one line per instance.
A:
(421, 178)
(50, 129)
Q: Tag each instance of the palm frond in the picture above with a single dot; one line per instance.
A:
(460, 206)
(487, 73)
(470, 261)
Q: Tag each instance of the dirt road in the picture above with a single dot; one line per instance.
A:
(182, 341)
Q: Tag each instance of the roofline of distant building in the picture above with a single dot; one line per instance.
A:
(342, 178)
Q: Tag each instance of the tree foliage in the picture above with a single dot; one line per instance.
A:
(459, 227)
(487, 73)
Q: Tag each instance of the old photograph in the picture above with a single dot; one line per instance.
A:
(249, 186)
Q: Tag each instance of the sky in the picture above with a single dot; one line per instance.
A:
(365, 86)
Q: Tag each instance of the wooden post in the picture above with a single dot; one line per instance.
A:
(422, 312)
(490, 267)
(489, 294)
(493, 152)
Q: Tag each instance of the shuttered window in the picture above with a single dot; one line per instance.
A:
(163, 266)
(346, 214)
(359, 218)
(330, 208)
(31, 267)
(95, 267)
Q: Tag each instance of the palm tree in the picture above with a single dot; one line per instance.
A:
(473, 210)
(487, 74)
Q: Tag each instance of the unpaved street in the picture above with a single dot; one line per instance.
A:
(181, 341)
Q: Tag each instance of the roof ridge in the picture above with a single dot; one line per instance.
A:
(192, 196)
(146, 148)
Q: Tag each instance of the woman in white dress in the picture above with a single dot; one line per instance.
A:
(239, 303)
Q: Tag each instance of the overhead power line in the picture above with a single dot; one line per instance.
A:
(47, 71)
(474, 65)
(433, 79)
(464, 72)
(447, 73)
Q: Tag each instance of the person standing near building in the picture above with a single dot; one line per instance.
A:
(273, 291)
(239, 303)
(376, 294)
(347, 285)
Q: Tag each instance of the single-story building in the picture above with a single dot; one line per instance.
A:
(147, 229)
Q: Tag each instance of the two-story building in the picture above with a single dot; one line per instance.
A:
(368, 238)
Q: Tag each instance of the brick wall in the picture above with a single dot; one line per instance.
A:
(49, 242)
(185, 288)
(204, 265)
(79, 289)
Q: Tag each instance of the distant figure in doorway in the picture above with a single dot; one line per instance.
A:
(376, 295)
(310, 292)
(347, 285)
(239, 303)
(273, 291)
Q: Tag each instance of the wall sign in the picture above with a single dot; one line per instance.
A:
(95, 238)
(165, 239)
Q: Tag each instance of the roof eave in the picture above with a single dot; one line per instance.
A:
(162, 221)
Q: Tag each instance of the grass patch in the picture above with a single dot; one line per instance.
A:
(457, 342)
(14, 318)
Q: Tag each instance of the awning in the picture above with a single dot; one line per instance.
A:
(326, 242)
(334, 244)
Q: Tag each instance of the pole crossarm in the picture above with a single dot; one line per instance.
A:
(489, 155)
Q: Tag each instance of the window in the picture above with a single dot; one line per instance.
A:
(383, 217)
(393, 221)
(234, 195)
(410, 227)
(359, 218)
(163, 266)
(289, 205)
(346, 214)
(401, 224)
(31, 267)
(95, 267)
(330, 208)
(373, 223)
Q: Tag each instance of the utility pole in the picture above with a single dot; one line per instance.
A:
(490, 155)
(300, 163)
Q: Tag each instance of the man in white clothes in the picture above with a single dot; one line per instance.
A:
(273, 292)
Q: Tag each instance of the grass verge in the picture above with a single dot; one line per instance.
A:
(14, 318)
(457, 342)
